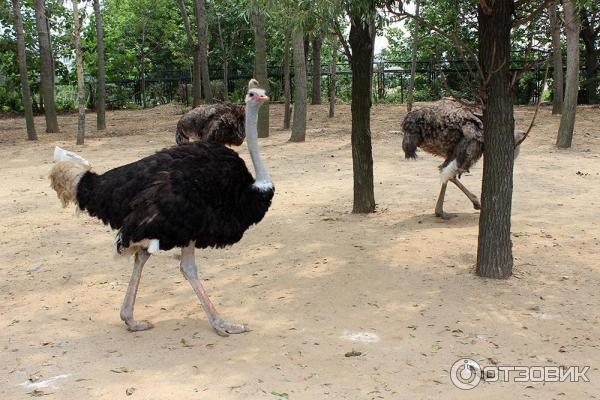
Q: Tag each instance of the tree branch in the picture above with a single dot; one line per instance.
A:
(338, 31)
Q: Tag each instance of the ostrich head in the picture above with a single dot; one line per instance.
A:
(255, 97)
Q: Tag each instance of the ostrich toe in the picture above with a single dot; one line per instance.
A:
(444, 215)
(224, 328)
(136, 326)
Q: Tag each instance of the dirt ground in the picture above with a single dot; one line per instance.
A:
(313, 281)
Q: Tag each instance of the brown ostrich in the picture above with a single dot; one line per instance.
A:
(453, 130)
(220, 123)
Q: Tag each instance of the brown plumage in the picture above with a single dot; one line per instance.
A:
(220, 123)
(449, 129)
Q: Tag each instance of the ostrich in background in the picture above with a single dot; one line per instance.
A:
(191, 196)
(220, 123)
(452, 130)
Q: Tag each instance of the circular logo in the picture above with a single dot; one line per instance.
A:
(465, 374)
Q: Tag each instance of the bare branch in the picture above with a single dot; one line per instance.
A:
(340, 35)
(450, 36)
(533, 14)
(537, 107)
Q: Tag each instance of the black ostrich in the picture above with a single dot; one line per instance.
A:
(453, 130)
(220, 123)
(192, 196)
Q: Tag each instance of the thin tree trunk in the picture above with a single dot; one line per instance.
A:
(53, 63)
(558, 80)
(260, 69)
(567, 120)
(413, 67)
(494, 249)
(46, 75)
(79, 64)
(590, 38)
(333, 75)
(22, 57)
(101, 104)
(201, 25)
(287, 91)
(362, 43)
(225, 61)
(196, 78)
(316, 69)
(143, 67)
(299, 123)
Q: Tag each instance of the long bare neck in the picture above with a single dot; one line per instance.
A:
(262, 180)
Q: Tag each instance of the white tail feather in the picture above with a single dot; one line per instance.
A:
(65, 155)
(448, 172)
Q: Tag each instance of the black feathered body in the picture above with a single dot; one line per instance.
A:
(446, 129)
(220, 123)
(200, 192)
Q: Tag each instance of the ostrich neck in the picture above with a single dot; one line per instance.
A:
(262, 180)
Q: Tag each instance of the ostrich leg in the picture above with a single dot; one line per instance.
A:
(127, 309)
(190, 272)
(439, 207)
(471, 196)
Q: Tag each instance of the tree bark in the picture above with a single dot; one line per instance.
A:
(316, 69)
(260, 69)
(287, 91)
(558, 77)
(567, 120)
(413, 67)
(225, 61)
(299, 123)
(101, 104)
(333, 75)
(79, 66)
(203, 52)
(362, 43)
(590, 38)
(196, 78)
(46, 71)
(143, 67)
(494, 249)
(22, 57)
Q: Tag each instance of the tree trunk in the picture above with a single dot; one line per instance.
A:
(287, 92)
(194, 49)
(143, 68)
(413, 67)
(201, 25)
(224, 59)
(333, 75)
(46, 72)
(260, 69)
(101, 104)
(494, 249)
(590, 38)
(79, 64)
(557, 81)
(362, 43)
(316, 69)
(299, 124)
(567, 120)
(22, 57)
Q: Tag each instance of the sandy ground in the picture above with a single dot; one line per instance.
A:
(313, 281)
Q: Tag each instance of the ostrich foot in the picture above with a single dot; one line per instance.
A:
(224, 328)
(445, 216)
(136, 326)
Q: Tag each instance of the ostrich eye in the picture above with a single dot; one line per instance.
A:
(251, 94)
